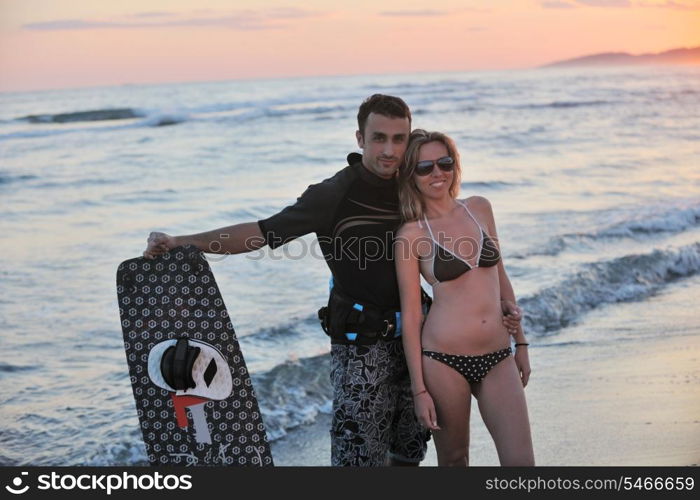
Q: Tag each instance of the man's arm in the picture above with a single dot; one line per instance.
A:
(512, 313)
(238, 238)
(311, 212)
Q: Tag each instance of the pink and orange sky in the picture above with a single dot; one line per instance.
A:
(75, 43)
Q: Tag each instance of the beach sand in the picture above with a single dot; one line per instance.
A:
(632, 402)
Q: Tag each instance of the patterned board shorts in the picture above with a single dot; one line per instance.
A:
(373, 407)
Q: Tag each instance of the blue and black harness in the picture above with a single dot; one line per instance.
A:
(347, 321)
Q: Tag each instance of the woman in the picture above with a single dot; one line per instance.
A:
(463, 348)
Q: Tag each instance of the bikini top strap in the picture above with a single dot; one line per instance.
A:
(427, 224)
(480, 248)
(471, 215)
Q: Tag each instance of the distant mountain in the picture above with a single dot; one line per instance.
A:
(675, 56)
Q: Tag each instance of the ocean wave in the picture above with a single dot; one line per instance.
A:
(398, 86)
(163, 119)
(286, 329)
(8, 178)
(251, 209)
(627, 278)
(10, 368)
(407, 87)
(30, 134)
(77, 183)
(293, 393)
(563, 104)
(262, 112)
(493, 185)
(124, 453)
(85, 116)
(147, 195)
(672, 221)
(306, 110)
(156, 118)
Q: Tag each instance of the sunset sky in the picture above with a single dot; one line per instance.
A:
(76, 43)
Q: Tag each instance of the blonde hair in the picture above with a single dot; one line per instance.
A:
(411, 202)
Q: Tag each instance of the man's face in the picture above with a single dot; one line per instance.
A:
(383, 144)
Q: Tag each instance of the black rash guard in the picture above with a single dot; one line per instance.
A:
(355, 217)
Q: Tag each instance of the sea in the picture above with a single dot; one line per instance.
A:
(593, 174)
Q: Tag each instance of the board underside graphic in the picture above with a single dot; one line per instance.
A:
(216, 421)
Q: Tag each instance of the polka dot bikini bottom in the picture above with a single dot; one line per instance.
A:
(473, 368)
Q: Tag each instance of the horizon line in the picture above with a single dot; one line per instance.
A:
(543, 66)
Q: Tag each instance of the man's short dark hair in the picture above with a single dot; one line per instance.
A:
(385, 105)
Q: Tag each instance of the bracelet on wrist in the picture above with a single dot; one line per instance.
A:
(420, 392)
(521, 343)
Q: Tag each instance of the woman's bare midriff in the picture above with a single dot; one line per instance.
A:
(466, 316)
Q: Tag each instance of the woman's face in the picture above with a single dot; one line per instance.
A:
(437, 183)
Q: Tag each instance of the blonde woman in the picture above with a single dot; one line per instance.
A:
(461, 348)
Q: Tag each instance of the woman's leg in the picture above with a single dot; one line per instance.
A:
(452, 398)
(502, 405)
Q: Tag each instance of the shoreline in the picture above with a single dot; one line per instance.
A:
(629, 402)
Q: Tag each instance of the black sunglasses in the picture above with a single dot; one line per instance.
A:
(425, 167)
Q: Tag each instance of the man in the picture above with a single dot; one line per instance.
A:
(354, 215)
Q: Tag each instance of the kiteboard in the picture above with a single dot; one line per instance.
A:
(194, 398)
